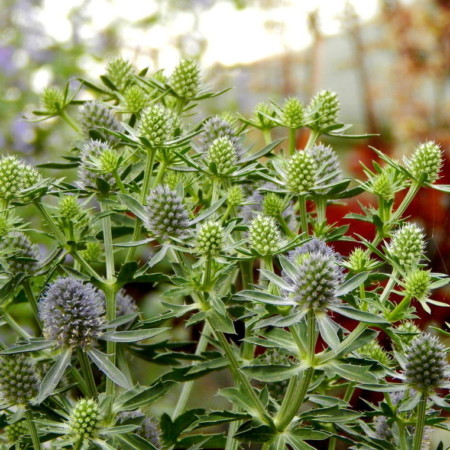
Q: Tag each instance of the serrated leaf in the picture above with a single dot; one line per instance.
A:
(356, 314)
(352, 283)
(108, 368)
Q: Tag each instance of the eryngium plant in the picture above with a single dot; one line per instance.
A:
(233, 240)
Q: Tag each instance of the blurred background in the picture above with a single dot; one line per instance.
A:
(389, 61)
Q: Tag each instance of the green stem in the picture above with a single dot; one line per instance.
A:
(291, 141)
(321, 206)
(285, 226)
(110, 295)
(267, 134)
(392, 316)
(108, 243)
(15, 326)
(119, 182)
(303, 214)
(402, 433)
(86, 369)
(413, 189)
(33, 431)
(64, 116)
(388, 288)
(79, 444)
(420, 422)
(161, 170)
(187, 386)
(313, 135)
(214, 191)
(32, 300)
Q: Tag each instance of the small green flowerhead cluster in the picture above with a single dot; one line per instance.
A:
(265, 236)
(93, 251)
(235, 196)
(323, 110)
(52, 100)
(301, 173)
(217, 127)
(21, 255)
(425, 363)
(185, 79)
(156, 124)
(358, 260)
(16, 431)
(327, 164)
(84, 419)
(209, 238)
(407, 332)
(273, 205)
(222, 153)
(120, 72)
(376, 352)
(426, 162)
(135, 99)
(262, 116)
(407, 245)
(166, 215)
(293, 113)
(417, 284)
(16, 176)
(18, 380)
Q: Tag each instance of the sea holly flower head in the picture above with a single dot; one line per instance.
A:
(156, 124)
(120, 72)
(52, 100)
(185, 79)
(16, 176)
(222, 153)
(84, 419)
(20, 254)
(407, 245)
(426, 162)
(293, 113)
(264, 234)
(323, 110)
(209, 238)
(301, 173)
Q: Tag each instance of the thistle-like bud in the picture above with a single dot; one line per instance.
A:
(93, 252)
(327, 163)
(125, 304)
(261, 116)
(407, 332)
(18, 381)
(426, 162)
(166, 214)
(214, 128)
(172, 179)
(407, 245)
(323, 110)
(120, 72)
(156, 124)
(84, 419)
(417, 284)
(52, 100)
(135, 99)
(149, 428)
(359, 260)
(93, 156)
(21, 255)
(273, 204)
(293, 113)
(265, 236)
(94, 116)
(376, 352)
(16, 176)
(209, 238)
(16, 431)
(235, 196)
(317, 277)
(381, 185)
(223, 154)
(425, 363)
(185, 78)
(301, 173)
(72, 312)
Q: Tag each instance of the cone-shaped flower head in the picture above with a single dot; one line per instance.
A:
(417, 284)
(185, 79)
(235, 196)
(382, 185)
(16, 431)
(156, 124)
(407, 245)
(93, 251)
(293, 113)
(222, 153)
(21, 255)
(93, 155)
(426, 161)
(264, 235)
(120, 72)
(261, 116)
(18, 380)
(166, 214)
(72, 312)
(273, 204)
(376, 352)
(209, 238)
(125, 304)
(358, 260)
(426, 363)
(135, 99)
(15, 176)
(323, 110)
(317, 276)
(407, 332)
(217, 127)
(84, 419)
(327, 164)
(94, 116)
(301, 173)
(52, 100)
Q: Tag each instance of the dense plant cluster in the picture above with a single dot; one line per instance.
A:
(234, 239)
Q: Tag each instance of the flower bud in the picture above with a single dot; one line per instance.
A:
(359, 260)
(425, 363)
(185, 79)
(407, 245)
(323, 110)
(166, 214)
(18, 381)
(16, 176)
(52, 100)
(426, 162)
(301, 173)
(94, 116)
(381, 185)
(374, 351)
(265, 236)
(156, 124)
(293, 113)
(172, 179)
(273, 205)
(16, 431)
(327, 163)
(21, 255)
(93, 252)
(209, 238)
(120, 72)
(72, 312)
(217, 127)
(93, 156)
(407, 332)
(84, 419)
(223, 154)
(135, 99)
(235, 195)
(260, 116)
(417, 284)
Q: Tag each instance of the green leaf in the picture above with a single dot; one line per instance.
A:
(133, 205)
(132, 335)
(352, 283)
(272, 372)
(358, 374)
(328, 330)
(54, 375)
(126, 273)
(135, 442)
(219, 417)
(220, 321)
(108, 368)
(361, 316)
(264, 297)
(252, 432)
(142, 397)
(211, 210)
(34, 346)
(333, 414)
(262, 152)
